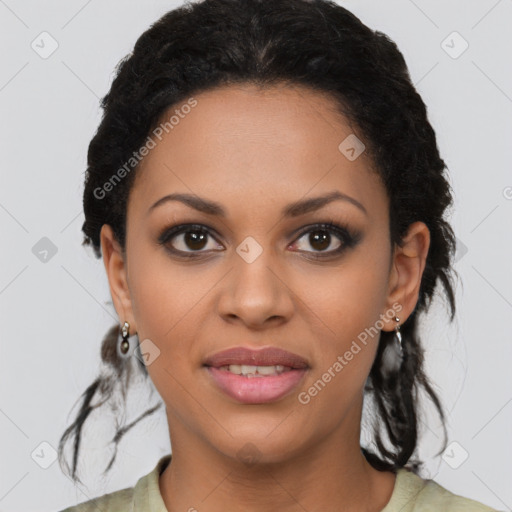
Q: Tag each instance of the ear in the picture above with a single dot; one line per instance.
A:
(406, 272)
(115, 267)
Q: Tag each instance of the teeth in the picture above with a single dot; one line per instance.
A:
(269, 370)
(246, 369)
(255, 371)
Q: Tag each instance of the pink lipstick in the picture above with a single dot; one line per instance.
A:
(256, 376)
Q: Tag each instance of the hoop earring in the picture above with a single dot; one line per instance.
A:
(124, 346)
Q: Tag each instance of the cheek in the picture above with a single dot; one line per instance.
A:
(163, 305)
(349, 298)
(161, 292)
(346, 305)
(162, 300)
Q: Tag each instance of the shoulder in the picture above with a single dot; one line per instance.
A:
(435, 497)
(415, 494)
(118, 500)
(143, 497)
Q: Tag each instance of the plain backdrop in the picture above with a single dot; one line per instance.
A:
(55, 307)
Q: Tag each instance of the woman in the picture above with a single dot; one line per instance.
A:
(268, 198)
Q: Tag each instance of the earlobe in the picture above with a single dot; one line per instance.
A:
(408, 265)
(115, 268)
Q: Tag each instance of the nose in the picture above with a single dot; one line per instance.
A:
(256, 294)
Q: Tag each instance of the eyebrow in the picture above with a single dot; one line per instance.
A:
(294, 209)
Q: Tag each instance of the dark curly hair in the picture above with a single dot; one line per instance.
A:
(315, 44)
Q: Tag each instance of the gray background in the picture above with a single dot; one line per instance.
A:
(54, 313)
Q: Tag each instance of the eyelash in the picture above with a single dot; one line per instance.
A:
(349, 238)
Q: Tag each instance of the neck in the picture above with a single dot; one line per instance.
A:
(331, 475)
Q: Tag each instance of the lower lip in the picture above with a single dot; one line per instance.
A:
(256, 390)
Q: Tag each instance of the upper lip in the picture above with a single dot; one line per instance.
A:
(269, 356)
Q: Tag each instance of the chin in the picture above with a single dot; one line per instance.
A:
(255, 446)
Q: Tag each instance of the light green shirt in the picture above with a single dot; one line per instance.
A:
(410, 494)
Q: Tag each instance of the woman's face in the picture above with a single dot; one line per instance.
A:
(262, 273)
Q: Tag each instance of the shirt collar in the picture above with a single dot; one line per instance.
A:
(146, 493)
(147, 496)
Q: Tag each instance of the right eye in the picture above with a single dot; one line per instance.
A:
(187, 239)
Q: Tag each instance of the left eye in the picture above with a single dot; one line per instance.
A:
(320, 239)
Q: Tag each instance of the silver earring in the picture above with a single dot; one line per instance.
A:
(398, 335)
(392, 356)
(125, 344)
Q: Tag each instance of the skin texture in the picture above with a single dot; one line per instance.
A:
(255, 151)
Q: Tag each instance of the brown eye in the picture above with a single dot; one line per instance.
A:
(195, 240)
(327, 239)
(320, 240)
(188, 239)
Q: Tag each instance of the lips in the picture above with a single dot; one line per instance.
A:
(271, 356)
(256, 376)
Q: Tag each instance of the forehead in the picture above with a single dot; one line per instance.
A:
(242, 143)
